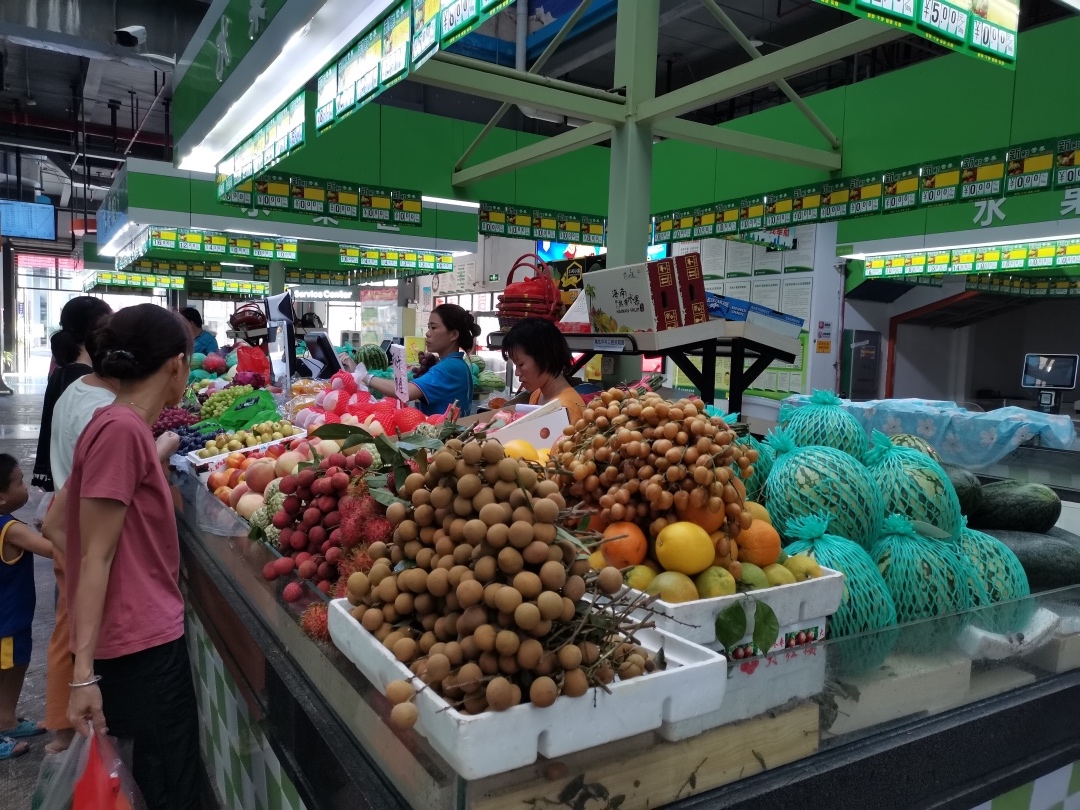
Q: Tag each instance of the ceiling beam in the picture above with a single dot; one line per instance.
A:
(792, 60)
(585, 135)
(745, 144)
(477, 78)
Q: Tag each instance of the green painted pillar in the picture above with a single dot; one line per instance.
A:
(277, 278)
(630, 183)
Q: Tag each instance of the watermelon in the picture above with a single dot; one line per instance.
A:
(825, 423)
(1049, 560)
(1003, 577)
(755, 484)
(196, 360)
(812, 480)
(916, 443)
(914, 485)
(967, 485)
(373, 357)
(1022, 506)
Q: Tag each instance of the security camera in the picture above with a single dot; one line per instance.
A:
(130, 37)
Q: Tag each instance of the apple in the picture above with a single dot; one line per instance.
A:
(286, 462)
(260, 474)
(238, 492)
(222, 494)
(248, 503)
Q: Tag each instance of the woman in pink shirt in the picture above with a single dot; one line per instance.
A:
(132, 674)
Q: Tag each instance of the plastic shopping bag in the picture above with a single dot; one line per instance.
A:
(106, 782)
(56, 780)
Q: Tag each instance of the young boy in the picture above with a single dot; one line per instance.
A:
(18, 544)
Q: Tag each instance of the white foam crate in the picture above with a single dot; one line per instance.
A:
(801, 602)
(759, 684)
(494, 742)
(208, 464)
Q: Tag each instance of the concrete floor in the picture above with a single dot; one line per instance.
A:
(19, 415)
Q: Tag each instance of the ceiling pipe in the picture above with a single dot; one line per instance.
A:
(26, 120)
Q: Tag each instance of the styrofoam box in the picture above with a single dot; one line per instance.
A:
(792, 604)
(760, 684)
(200, 465)
(481, 745)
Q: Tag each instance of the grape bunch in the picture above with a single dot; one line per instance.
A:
(426, 361)
(193, 438)
(172, 419)
(219, 402)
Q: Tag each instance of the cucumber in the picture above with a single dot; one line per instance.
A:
(967, 486)
(1021, 506)
(1049, 560)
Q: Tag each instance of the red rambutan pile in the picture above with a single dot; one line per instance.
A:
(315, 622)
(376, 529)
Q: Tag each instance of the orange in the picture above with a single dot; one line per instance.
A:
(685, 547)
(709, 521)
(624, 545)
(760, 544)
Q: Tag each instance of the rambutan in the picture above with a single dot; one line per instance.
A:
(369, 507)
(315, 622)
(341, 588)
(376, 529)
(350, 530)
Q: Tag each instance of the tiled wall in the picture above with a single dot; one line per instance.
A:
(245, 769)
(1059, 790)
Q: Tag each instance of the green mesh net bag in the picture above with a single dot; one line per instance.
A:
(808, 481)
(824, 423)
(755, 484)
(928, 579)
(1003, 579)
(915, 443)
(914, 485)
(863, 628)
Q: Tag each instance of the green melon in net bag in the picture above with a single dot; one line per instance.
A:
(928, 579)
(755, 484)
(824, 423)
(914, 485)
(808, 481)
(1004, 580)
(916, 443)
(866, 608)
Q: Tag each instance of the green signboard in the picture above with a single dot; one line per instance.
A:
(779, 209)
(282, 134)
(496, 219)
(985, 29)
(901, 190)
(409, 262)
(939, 182)
(1030, 167)
(1029, 258)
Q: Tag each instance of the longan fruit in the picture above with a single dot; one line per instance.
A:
(545, 533)
(462, 469)
(569, 657)
(384, 631)
(542, 629)
(470, 619)
(545, 510)
(442, 497)
(520, 534)
(543, 691)
(504, 490)
(475, 531)
(403, 604)
(421, 497)
(484, 636)
(378, 550)
(498, 535)
(523, 514)
(574, 589)
(528, 584)
(491, 590)
(388, 589)
(463, 554)
(404, 649)
(492, 451)
(455, 575)
(491, 514)
(468, 678)
(425, 558)
(508, 469)
(527, 616)
(507, 600)
(373, 619)
(396, 512)
(424, 515)
(469, 650)
(485, 569)
(590, 653)
(483, 498)
(404, 716)
(510, 561)
(545, 488)
(527, 477)
(469, 486)
(508, 665)
(499, 694)
(452, 650)
(547, 664)
(555, 554)
(471, 452)
(575, 683)
(359, 585)
(553, 575)
(438, 667)
(444, 461)
(399, 692)
(550, 605)
(535, 553)
(610, 580)
(413, 482)
(569, 610)
(470, 592)
(463, 507)
(529, 653)
(438, 582)
(474, 704)
(507, 642)
(389, 614)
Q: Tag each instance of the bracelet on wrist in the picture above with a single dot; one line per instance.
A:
(91, 682)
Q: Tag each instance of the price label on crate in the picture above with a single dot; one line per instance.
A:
(608, 344)
(401, 372)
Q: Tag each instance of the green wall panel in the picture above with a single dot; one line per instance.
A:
(498, 142)
(1047, 98)
(159, 191)
(694, 165)
(416, 148)
(576, 182)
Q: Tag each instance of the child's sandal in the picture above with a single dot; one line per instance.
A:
(10, 749)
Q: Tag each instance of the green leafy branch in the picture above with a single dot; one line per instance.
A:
(731, 624)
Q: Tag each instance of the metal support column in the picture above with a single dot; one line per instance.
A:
(277, 278)
(630, 182)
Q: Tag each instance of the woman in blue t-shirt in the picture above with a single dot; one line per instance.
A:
(452, 331)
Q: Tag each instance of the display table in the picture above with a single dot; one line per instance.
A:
(298, 716)
(739, 340)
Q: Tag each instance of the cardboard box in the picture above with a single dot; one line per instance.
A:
(635, 298)
(735, 309)
(691, 282)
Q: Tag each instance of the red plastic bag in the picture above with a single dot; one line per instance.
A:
(248, 358)
(104, 783)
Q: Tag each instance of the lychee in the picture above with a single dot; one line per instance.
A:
(269, 572)
(283, 565)
(337, 460)
(306, 477)
(287, 485)
(362, 458)
(302, 557)
(325, 546)
(291, 505)
(332, 519)
(324, 464)
(326, 571)
(312, 516)
(307, 570)
(325, 586)
(317, 534)
(292, 592)
(333, 554)
(299, 540)
(326, 504)
(340, 481)
(332, 470)
(282, 519)
(304, 494)
(335, 537)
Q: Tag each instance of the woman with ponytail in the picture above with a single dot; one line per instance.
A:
(79, 317)
(452, 332)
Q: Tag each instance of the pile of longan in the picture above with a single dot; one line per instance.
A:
(481, 594)
(652, 461)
